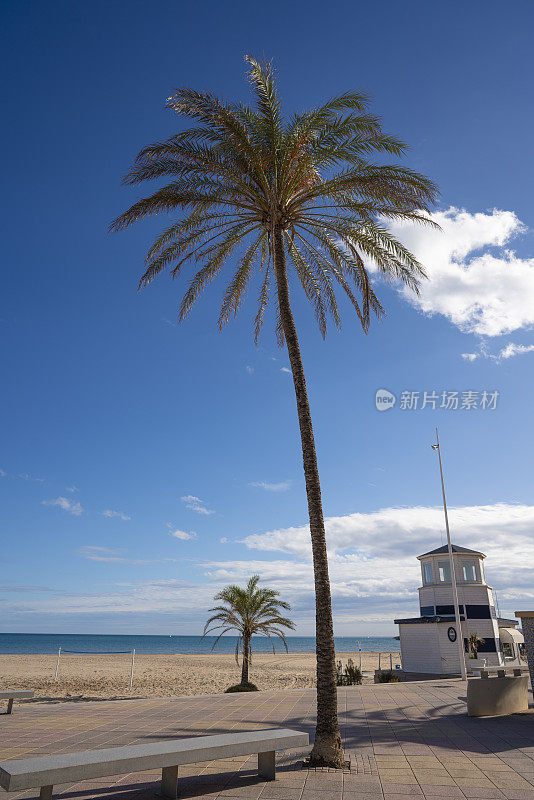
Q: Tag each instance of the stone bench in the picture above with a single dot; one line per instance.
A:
(14, 694)
(167, 755)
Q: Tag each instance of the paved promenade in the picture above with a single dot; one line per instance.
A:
(403, 740)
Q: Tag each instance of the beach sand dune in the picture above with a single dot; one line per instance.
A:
(108, 676)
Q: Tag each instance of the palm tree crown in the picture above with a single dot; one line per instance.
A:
(245, 172)
(248, 611)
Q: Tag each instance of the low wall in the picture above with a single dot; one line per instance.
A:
(403, 675)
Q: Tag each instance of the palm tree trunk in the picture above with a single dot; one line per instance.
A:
(246, 659)
(327, 749)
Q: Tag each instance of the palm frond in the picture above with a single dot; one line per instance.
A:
(240, 172)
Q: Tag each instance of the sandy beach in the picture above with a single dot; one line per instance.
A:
(108, 677)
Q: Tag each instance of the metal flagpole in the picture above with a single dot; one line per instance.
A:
(459, 637)
(57, 664)
(132, 669)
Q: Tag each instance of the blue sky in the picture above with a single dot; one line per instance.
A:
(112, 414)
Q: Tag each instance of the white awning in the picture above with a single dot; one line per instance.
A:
(511, 635)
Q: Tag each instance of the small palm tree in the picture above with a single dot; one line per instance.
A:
(473, 643)
(248, 611)
(286, 200)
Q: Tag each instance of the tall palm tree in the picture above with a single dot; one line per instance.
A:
(248, 611)
(301, 197)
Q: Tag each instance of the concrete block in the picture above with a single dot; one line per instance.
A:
(491, 696)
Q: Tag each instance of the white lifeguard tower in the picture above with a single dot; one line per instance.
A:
(429, 642)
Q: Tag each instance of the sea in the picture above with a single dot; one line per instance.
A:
(26, 643)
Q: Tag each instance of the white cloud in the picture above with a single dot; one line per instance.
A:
(373, 568)
(512, 349)
(105, 554)
(395, 531)
(508, 351)
(94, 553)
(388, 540)
(175, 596)
(2, 473)
(112, 514)
(285, 369)
(478, 285)
(66, 505)
(11, 588)
(25, 476)
(249, 369)
(283, 486)
(372, 556)
(223, 540)
(194, 503)
(184, 536)
(71, 489)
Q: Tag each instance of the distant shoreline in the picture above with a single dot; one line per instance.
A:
(215, 654)
(49, 644)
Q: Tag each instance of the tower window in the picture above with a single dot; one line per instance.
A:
(507, 649)
(444, 571)
(427, 572)
(469, 571)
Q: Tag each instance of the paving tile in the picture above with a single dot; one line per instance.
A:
(394, 771)
(496, 768)
(362, 783)
(518, 794)
(438, 780)
(421, 772)
(433, 796)
(293, 778)
(321, 794)
(404, 780)
(477, 781)
(279, 792)
(483, 792)
(250, 791)
(377, 795)
(506, 781)
(444, 791)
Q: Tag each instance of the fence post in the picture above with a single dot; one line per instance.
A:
(57, 664)
(390, 661)
(360, 653)
(379, 660)
(132, 670)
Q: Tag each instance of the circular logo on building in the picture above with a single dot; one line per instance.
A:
(451, 633)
